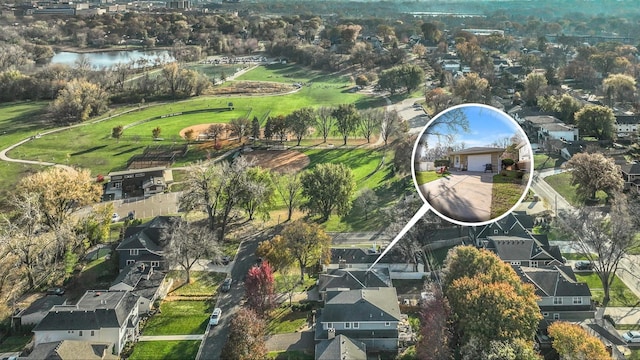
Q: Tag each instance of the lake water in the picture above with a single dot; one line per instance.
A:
(110, 58)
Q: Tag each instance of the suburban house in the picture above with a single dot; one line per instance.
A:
(101, 316)
(144, 244)
(631, 176)
(137, 182)
(398, 265)
(73, 349)
(558, 131)
(143, 281)
(341, 348)
(369, 315)
(523, 251)
(525, 156)
(562, 297)
(476, 159)
(451, 65)
(531, 124)
(511, 240)
(353, 279)
(33, 314)
(627, 125)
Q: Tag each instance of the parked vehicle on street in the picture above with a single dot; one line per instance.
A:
(631, 336)
(215, 317)
(226, 285)
(583, 265)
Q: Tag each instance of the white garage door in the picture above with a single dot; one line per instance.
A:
(478, 162)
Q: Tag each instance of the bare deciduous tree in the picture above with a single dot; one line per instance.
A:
(187, 243)
(602, 238)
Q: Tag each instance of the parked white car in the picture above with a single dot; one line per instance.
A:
(215, 317)
(631, 336)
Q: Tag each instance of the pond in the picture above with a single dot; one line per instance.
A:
(111, 58)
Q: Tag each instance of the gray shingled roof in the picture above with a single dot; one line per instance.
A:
(371, 304)
(132, 274)
(95, 310)
(354, 279)
(140, 240)
(340, 348)
(147, 288)
(553, 281)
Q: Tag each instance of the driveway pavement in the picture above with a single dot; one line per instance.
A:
(462, 196)
(293, 341)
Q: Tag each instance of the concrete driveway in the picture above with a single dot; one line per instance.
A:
(463, 196)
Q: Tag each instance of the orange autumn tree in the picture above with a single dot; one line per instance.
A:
(571, 341)
(488, 300)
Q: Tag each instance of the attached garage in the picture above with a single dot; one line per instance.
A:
(476, 159)
(478, 162)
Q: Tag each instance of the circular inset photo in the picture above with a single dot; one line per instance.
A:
(472, 164)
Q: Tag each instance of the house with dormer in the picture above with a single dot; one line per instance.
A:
(561, 296)
(511, 239)
(370, 316)
(100, 316)
(144, 244)
(143, 281)
(631, 176)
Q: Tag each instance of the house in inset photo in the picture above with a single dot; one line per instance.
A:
(481, 164)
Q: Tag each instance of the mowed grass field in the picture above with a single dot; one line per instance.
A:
(372, 169)
(92, 146)
(17, 122)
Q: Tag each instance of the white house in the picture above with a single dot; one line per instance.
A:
(558, 131)
(99, 316)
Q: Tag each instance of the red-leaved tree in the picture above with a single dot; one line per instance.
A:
(259, 287)
(434, 344)
(246, 337)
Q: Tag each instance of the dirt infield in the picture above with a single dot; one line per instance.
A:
(197, 129)
(279, 160)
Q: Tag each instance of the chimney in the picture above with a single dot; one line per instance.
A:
(342, 264)
(331, 333)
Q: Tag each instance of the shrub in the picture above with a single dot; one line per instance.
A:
(362, 80)
(442, 162)
(507, 162)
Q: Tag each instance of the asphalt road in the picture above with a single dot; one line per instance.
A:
(215, 337)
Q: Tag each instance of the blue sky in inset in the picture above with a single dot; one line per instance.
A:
(486, 125)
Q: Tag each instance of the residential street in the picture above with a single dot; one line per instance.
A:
(215, 337)
(629, 266)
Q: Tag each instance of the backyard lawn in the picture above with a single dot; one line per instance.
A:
(179, 318)
(542, 161)
(151, 350)
(620, 294)
(506, 192)
(562, 184)
(285, 319)
(15, 343)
